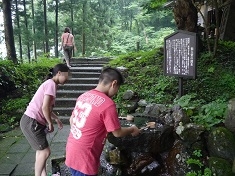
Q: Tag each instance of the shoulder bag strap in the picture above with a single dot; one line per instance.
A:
(67, 39)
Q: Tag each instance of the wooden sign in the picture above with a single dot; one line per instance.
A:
(180, 53)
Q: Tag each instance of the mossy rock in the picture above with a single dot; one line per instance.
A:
(4, 128)
(220, 167)
(221, 144)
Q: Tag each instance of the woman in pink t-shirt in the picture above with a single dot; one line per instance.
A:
(37, 119)
(68, 44)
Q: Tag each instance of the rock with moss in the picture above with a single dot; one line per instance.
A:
(220, 167)
(221, 143)
(230, 116)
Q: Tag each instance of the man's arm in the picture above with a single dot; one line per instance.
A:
(124, 131)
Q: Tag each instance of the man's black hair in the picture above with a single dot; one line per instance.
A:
(110, 74)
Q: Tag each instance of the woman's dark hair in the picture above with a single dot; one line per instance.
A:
(67, 29)
(110, 74)
(56, 69)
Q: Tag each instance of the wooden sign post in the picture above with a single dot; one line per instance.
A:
(180, 53)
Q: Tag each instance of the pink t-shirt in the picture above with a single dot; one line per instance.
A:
(94, 116)
(68, 36)
(34, 109)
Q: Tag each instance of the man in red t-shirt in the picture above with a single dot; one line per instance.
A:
(93, 117)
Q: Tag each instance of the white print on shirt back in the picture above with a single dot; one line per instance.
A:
(82, 111)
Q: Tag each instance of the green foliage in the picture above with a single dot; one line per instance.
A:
(126, 41)
(12, 110)
(147, 66)
(189, 103)
(205, 97)
(152, 5)
(196, 162)
(200, 112)
(211, 114)
(18, 84)
(109, 27)
(215, 78)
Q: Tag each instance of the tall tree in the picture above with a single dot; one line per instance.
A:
(185, 14)
(71, 16)
(45, 26)
(56, 28)
(8, 28)
(33, 30)
(27, 30)
(19, 30)
(84, 6)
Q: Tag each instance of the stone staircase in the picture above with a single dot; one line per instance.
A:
(85, 74)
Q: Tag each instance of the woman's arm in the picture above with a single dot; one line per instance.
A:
(62, 42)
(73, 42)
(58, 121)
(46, 110)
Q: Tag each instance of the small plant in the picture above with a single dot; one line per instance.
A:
(188, 103)
(211, 114)
(195, 161)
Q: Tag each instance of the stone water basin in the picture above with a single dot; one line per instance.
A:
(140, 154)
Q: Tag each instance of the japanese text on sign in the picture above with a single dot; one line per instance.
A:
(180, 56)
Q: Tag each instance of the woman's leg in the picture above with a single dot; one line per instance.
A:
(40, 162)
(70, 51)
(66, 56)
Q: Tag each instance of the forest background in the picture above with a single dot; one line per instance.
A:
(110, 28)
(100, 27)
(132, 32)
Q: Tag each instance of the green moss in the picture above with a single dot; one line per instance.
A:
(220, 167)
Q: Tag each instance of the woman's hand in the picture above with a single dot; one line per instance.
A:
(50, 128)
(59, 123)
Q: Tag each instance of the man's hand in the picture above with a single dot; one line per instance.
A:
(136, 131)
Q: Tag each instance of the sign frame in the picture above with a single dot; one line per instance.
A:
(191, 40)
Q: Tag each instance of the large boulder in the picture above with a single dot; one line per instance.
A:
(221, 144)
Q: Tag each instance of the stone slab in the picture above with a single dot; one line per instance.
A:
(7, 169)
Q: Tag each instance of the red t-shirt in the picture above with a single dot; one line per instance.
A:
(94, 116)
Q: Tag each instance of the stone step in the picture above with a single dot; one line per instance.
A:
(68, 93)
(62, 111)
(73, 64)
(78, 87)
(89, 60)
(85, 74)
(65, 119)
(86, 69)
(68, 102)
(91, 80)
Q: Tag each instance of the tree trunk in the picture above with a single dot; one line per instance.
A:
(8, 28)
(27, 32)
(71, 16)
(83, 28)
(33, 30)
(19, 34)
(185, 14)
(45, 26)
(217, 34)
(56, 28)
